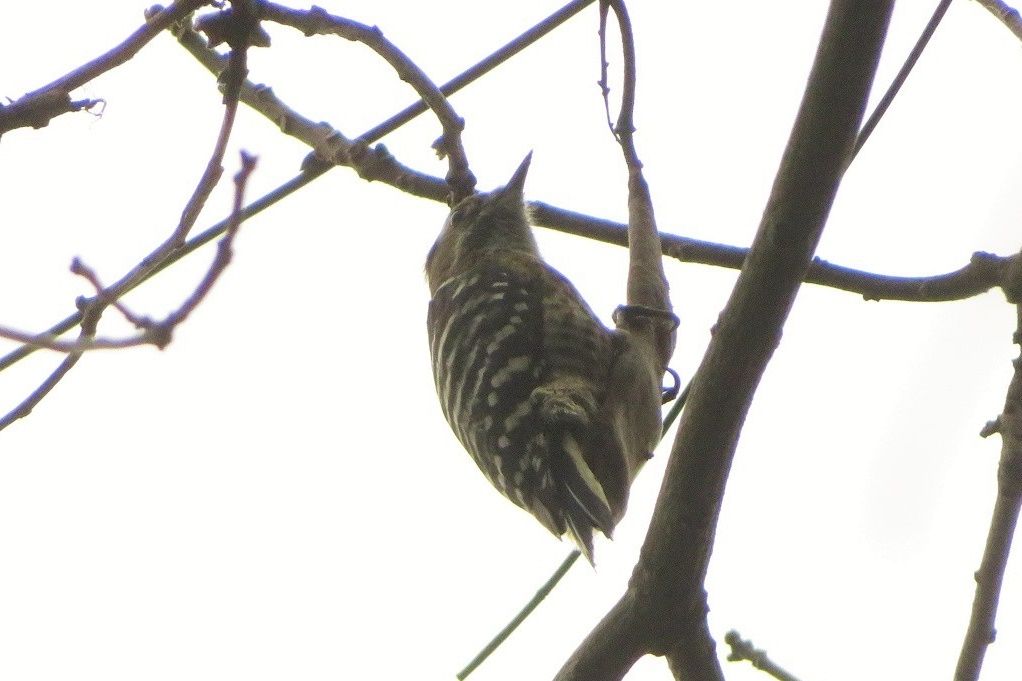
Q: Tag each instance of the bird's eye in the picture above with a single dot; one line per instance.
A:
(464, 211)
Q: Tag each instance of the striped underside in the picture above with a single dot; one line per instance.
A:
(516, 359)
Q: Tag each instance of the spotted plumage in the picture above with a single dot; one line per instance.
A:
(521, 366)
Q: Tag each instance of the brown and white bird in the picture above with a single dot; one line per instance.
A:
(523, 368)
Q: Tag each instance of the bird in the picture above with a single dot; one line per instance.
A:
(524, 369)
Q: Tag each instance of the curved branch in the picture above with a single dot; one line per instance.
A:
(319, 21)
(377, 164)
(647, 285)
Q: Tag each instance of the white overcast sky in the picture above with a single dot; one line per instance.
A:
(276, 495)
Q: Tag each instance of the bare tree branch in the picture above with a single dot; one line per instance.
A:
(984, 272)
(744, 650)
(981, 631)
(377, 164)
(90, 315)
(899, 79)
(484, 66)
(317, 21)
(36, 108)
(37, 111)
(664, 609)
(522, 615)
(155, 333)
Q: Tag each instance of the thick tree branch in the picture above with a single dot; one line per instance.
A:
(664, 607)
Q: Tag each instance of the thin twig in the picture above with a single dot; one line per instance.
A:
(159, 18)
(604, 81)
(81, 269)
(90, 310)
(224, 248)
(288, 120)
(742, 650)
(522, 615)
(90, 319)
(53, 99)
(262, 99)
(25, 407)
(37, 111)
(899, 79)
(154, 333)
(43, 342)
(496, 58)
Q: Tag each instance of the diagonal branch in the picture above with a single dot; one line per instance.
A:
(91, 310)
(981, 631)
(664, 609)
(899, 79)
(37, 108)
(159, 18)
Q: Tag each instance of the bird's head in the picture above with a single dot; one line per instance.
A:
(480, 223)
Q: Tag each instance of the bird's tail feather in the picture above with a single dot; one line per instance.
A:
(585, 503)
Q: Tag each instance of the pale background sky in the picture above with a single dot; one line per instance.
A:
(276, 495)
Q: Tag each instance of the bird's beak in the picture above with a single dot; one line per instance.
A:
(515, 187)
